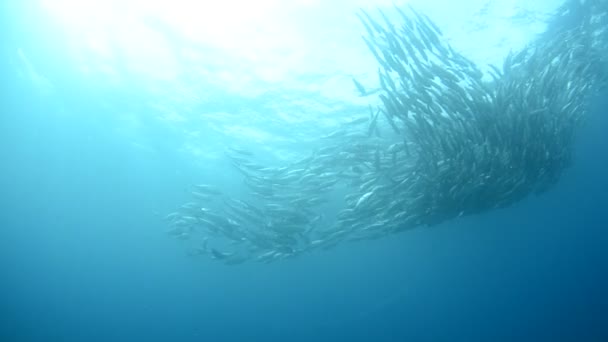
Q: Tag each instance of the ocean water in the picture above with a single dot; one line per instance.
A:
(96, 147)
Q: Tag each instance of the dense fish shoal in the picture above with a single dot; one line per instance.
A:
(446, 140)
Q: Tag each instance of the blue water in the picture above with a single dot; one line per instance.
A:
(84, 257)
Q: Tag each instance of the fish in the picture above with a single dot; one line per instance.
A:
(206, 189)
(359, 87)
(363, 199)
(219, 255)
(373, 124)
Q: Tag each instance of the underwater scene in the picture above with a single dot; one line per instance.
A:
(304, 170)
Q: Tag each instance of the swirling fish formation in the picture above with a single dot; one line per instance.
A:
(460, 142)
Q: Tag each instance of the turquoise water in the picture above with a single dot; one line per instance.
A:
(89, 168)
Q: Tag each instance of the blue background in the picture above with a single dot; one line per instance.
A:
(83, 256)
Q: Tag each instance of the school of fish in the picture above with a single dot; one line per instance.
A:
(446, 140)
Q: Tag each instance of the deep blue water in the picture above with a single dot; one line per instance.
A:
(83, 255)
